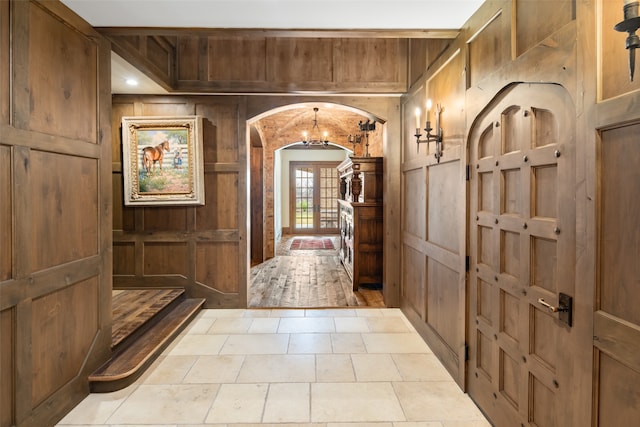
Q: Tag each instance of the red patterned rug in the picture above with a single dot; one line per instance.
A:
(308, 244)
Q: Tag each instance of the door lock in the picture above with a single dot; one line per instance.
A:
(564, 308)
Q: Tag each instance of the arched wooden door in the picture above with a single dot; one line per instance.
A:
(522, 259)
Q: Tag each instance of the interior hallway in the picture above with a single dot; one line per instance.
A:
(322, 368)
(307, 279)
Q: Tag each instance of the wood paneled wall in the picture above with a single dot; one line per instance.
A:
(206, 248)
(261, 63)
(570, 43)
(55, 210)
(203, 249)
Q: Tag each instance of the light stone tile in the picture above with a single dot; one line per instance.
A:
(359, 424)
(171, 404)
(96, 408)
(395, 343)
(231, 325)
(348, 343)
(256, 344)
(331, 312)
(200, 325)
(351, 324)
(309, 343)
(238, 403)
(214, 369)
(418, 424)
(306, 325)
(482, 423)
(198, 345)
(434, 401)
(280, 312)
(264, 326)
(286, 368)
(375, 367)
(257, 313)
(369, 312)
(354, 402)
(287, 403)
(392, 312)
(334, 368)
(274, 425)
(170, 370)
(387, 324)
(223, 312)
(421, 367)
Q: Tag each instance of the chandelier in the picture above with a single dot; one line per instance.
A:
(315, 137)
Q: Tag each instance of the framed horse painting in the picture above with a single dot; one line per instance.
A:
(162, 161)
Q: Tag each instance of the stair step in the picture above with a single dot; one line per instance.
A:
(133, 308)
(128, 363)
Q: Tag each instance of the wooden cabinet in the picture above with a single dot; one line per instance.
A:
(361, 229)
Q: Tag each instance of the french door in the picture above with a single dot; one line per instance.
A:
(313, 197)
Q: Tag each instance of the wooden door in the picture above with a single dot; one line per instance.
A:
(314, 197)
(522, 257)
(616, 336)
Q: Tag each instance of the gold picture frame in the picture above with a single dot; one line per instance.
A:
(162, 161)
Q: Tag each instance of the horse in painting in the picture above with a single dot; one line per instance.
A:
(152, 155)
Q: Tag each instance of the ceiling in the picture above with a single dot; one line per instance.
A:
(271, 14)
(277, 14)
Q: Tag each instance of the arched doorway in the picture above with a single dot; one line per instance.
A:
(281, 161)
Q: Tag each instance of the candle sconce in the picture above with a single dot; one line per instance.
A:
(429, 137)
(365, 127)
(630, 25)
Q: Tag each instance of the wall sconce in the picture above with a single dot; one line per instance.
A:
(437, 137)
(630, 25)
(365, 127)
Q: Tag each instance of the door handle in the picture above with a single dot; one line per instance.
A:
(549, 306)
(564, 308)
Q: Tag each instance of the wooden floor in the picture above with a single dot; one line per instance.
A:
(307, 279)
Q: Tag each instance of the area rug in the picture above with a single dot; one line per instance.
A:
(310, 244)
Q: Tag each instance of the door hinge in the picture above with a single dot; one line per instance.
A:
(466, 352)
(468, 172)
(466, 263)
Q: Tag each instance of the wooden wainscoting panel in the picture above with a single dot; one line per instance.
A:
(443, 206)
(173, 108)
(188, 57)
(489, 49)
(63, 231)
(124, 258)
(6, 207)
(415, 203)
(414, 272)
(64, 336)
(297, 61)
(443, 299)
(537, 20)
(161, 54)
(220, 211)
(7, 368)
(614, 58)
(236, 59)
(617, 321)
(54, 68)
(166, 218)
(385, 61)
(165, 258)
(217, 266)
(220, 131)
(617, 393)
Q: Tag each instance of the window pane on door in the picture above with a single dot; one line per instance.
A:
(304, 198)
(328, 198)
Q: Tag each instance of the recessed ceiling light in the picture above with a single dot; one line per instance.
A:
(131, 82)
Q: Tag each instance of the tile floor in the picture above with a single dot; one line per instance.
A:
(321, 368)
